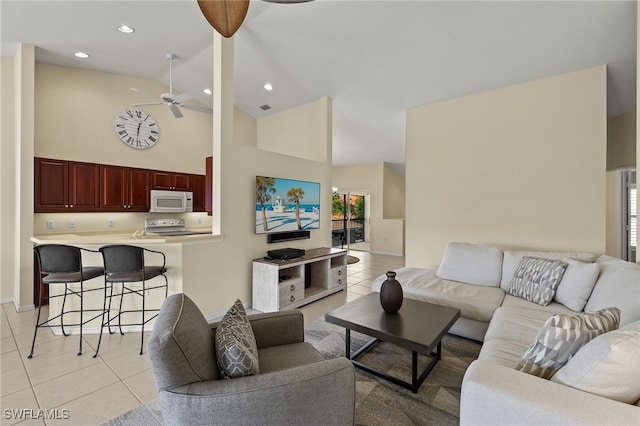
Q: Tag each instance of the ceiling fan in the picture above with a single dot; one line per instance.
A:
(171, 100)
(226, 16)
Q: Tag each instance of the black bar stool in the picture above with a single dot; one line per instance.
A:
(125, 264)
(62, 264)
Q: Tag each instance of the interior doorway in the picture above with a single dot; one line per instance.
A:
(350, 221)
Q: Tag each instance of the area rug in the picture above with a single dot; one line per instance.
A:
(378, 402)
(352, 259)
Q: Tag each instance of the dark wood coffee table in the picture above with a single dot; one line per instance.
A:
(418, 327)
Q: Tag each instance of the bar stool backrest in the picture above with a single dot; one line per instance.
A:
(58, 258)
(122, 258)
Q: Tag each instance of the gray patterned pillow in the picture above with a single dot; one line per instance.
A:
(562, 336)
(536, 280)
(236, 349)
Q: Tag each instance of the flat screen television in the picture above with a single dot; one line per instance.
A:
(284, 205)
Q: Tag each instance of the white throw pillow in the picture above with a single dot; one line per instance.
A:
(576, 284)
(608, 365)
(471, 264)
(512, 260)
(617, 286)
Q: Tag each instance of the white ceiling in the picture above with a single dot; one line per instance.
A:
(374, 58)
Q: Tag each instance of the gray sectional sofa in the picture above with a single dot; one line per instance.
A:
(476, 279)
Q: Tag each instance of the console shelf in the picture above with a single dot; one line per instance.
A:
(289, 284)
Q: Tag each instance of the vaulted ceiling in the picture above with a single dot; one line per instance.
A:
(374, 58)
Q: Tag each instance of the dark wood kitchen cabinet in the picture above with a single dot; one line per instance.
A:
(208, 186)
(124, 189)
(65, 186)
(197, 187)
(170, 181)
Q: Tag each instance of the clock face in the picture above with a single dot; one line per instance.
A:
(137, 129)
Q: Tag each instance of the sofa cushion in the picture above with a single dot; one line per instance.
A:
(236, 349)
(561, 337)
(474, 301)
(608, 366)
(511, 260)
(618, 285)
(471, 264)
(550, 309)
(576, 284)
(536, 280)
(181, 345)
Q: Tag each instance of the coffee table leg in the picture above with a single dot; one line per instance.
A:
(347, 349)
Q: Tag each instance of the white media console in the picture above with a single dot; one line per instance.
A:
(280, 284)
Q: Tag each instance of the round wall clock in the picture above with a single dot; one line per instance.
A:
(137, 129)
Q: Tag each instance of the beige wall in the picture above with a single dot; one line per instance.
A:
(280, 132)
(75, 120)
(7, 181)
(621, 141)
(637, 109)
(387, 233)
(522, 166)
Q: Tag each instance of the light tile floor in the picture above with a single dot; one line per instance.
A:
(58, 387)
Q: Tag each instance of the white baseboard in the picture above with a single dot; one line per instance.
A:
(387, 253)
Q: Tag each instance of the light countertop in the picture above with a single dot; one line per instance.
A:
(122, 237)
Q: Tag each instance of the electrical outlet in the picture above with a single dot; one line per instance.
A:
(111, 223)
(199, 220)
(72, 223)
(50, 224)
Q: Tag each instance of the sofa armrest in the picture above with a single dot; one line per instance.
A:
(275, 328)
(318, 393)
(496, 395)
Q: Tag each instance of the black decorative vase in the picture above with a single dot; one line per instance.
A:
(391, 294)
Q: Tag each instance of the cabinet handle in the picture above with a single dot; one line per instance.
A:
(71, 205)
(66, 205)
(293, 298)
(292, 288)
(339, 281)
(339, 271)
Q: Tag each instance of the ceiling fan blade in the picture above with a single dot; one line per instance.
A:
(148, 103)
(197, 108)
(143, 92)
(225, 16)
(176, 111)
(182, 97)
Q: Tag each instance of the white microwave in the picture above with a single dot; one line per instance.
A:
(171, 201)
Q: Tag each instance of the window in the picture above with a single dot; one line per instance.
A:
(630, 215)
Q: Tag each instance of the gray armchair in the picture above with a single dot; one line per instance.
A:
(296, 385)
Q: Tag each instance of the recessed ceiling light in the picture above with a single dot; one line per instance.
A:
(208, 91)
(81, 55)
(268, 86)
(126, 29)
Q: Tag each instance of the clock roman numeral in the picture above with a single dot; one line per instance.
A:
(154, 132)
(151, 138)
(120, 125)
(122, 132)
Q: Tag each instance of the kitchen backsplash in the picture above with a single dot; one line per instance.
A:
(70, 223)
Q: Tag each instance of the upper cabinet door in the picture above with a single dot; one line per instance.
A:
(170, 181)
(138, 190)
(197, 187)
(51, 185)
(84, 186)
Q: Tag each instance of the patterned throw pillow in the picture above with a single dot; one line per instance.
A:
(536, 280)
(562, 336)
(236, 349)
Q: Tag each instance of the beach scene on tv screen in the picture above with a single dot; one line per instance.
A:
(286, 205)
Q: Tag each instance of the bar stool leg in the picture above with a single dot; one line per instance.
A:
(64, 301)
(109, 311)
(120, 309)
(104, 306)
(143, 307)
(35, 332)
(81, 319)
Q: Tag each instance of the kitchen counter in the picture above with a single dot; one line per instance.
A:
(123, 237)
(176, 250)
